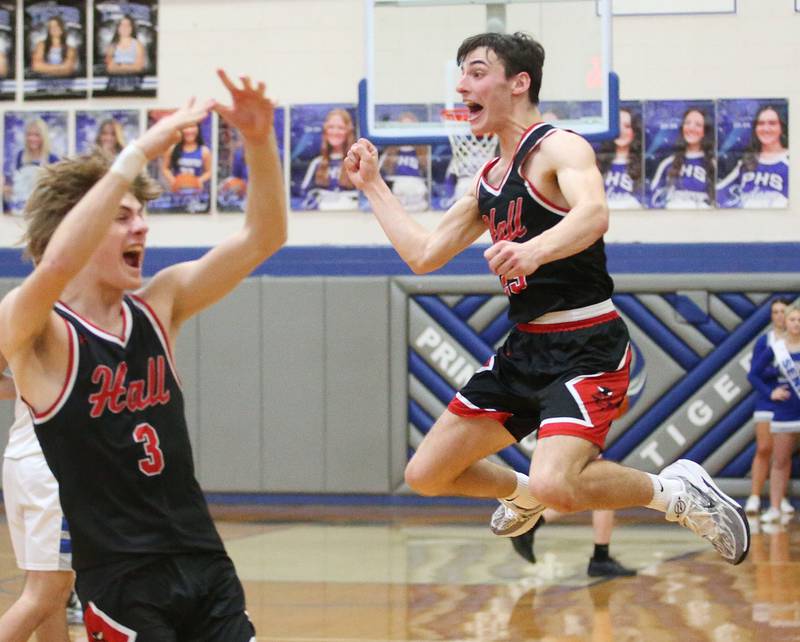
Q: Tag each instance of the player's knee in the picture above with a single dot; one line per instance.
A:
(48, 590)
(554, 493)
(422, 479)
(763, 449)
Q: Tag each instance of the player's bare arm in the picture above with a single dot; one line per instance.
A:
(7, 390)
(570, 159)
(182, 290)
(422, 249)
(32, 337)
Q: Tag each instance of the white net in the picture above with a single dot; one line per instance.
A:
(470, 152)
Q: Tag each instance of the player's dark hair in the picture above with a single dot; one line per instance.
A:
(750, 159)
(707, 147)
(518, 52)
(177, 151)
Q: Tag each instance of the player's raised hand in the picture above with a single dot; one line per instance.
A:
(252, 112)
(361, 163)
(167, 131)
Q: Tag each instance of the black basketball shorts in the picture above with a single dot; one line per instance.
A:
(173, 598)
(564, 378)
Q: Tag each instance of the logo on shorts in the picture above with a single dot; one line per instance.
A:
(604, 398)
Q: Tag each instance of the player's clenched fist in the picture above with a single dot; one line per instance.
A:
(361, 163)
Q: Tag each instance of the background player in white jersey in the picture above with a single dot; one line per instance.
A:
(38, 535)
(564, 368)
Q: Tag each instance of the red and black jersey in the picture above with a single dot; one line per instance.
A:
(515, 211)
(116, 441)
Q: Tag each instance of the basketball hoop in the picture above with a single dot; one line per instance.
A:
(470, 152)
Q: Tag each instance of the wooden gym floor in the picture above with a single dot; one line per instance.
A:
(368, 574)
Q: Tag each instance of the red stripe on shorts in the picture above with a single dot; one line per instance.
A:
(538, 328)
(457, 407)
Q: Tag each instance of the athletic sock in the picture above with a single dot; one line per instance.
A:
(663, 490)
(600, 552)
(522, 495)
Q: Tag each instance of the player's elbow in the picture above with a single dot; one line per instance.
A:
(423, 264)
(599, 218)
(418, 267)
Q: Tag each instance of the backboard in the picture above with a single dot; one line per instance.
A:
(410, 48)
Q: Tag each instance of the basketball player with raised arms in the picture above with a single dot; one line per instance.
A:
(564, 368)
(95, 366)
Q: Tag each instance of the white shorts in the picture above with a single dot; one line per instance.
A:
(39, 532)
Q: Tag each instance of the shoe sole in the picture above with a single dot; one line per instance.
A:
(696, 470)
(521, 530)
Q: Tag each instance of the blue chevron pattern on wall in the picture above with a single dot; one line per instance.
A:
(689, 394)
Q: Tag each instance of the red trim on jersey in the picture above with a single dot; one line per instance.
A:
(97, 327)
(68, 378)
(537, 194)
(522, 139)
(543, 198)
(540, 328)
(158, 322)
(457, 407)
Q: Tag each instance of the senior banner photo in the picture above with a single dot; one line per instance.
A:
(125, 48)
(55, 49)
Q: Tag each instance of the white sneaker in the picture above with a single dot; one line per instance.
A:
(753, 505)
(74, 609)
(510, 520)
(786, 506)
(771, 515)
(708, 512)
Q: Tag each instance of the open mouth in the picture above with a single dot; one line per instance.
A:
(133, 258)
(474, 109)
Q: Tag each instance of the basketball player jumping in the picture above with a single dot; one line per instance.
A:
(564, 368)
(94, 364)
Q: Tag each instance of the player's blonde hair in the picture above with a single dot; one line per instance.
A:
(59, 188)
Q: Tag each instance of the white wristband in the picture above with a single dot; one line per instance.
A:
(130, 162)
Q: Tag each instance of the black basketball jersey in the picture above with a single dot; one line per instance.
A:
(116, 441)
(515, 211)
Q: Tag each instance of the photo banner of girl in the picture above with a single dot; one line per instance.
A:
(55, 49)
(108, 130)
(621, 162)
(8, 44)
(184, 171)
(125, 48)
(232, 172)
(753, 153)
(405, 168)
(680, 161)
(320, 137)
(32, 139)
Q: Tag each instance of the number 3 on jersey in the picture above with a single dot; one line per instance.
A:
(153, 464)
(515, 285)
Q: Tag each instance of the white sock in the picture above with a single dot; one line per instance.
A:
(663, 490)
(522, 494)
